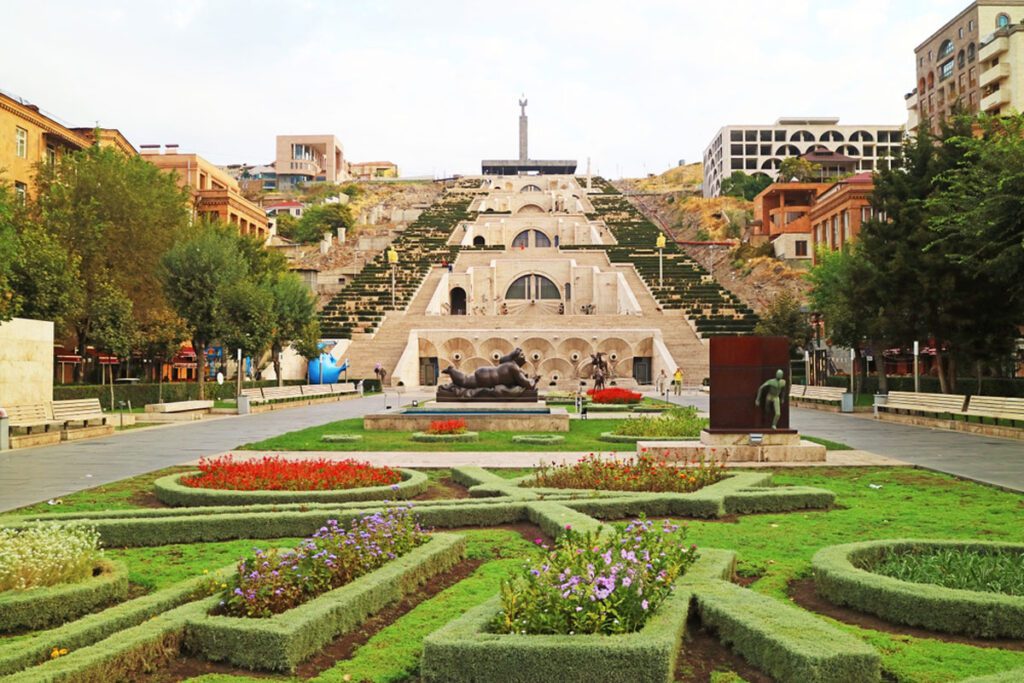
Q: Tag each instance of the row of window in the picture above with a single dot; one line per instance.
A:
(808, 136)
(739, 164)
(793, 151)
(946, 48)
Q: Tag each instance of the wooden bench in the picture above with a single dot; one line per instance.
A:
(314, 390)
(343, 388)
(31, 417)
(996, 407)
(823, 394)
(928, 404)
(83, 410)
(290, 393)
(254, 395)
(796, 391)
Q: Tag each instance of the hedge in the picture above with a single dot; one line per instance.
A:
(141, 394)
(47, 606)
(990, 386)
(341, 438)
(282, 641)
(622, 438)
(787, 643)
(542, 439)
(464, 437)
(838, 578)
(169, 491)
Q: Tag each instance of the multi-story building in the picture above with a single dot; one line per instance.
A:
(761, 149)
(967, 63)
(838, 213)
(29, 136)
(215, 194)
(782, 217)
(308, 159)
(369, 170)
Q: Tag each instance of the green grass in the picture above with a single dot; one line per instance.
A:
(582, 436)
(829, 445)
(994, 572)
(117, 495)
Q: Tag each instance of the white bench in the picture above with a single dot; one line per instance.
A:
(822, 394)
(927, 404)
(343, 388)
(996, 407)
(32, 416)
(315, 390)
(83, 410)
(289, 393)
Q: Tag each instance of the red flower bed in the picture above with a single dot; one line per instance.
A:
(279, 474)
(614, 395)
(447, 427)
(643, 473)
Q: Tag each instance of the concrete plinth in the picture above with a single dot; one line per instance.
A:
(781, 446)
(89, 432)
(492, 418)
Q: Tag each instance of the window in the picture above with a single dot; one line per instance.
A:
(766, 150)
(751, 150)
(533, 287)
(780, 136)
(946, 70)
(846, 226)
(51, 155)
(522, 240)
(970, 26)
(21, 142)
(946, 48)
(750, 136)
(971, 52)
(1002, 20)
(736, 135)
(835, 232)
(766, 136)
(736, 150)
(540, 239)
(961, 59)
(866, 214)
(20, 190)
(960, 32)
(801, 247)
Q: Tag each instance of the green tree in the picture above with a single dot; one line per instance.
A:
(294, 309)
(739, 184)
(316, 220)
(10, 252)
(783, 318)
(45, 276)
(248, 308)
(307, 343)
(113, 326)
(799, 170)
(160, 340)
(194, 273)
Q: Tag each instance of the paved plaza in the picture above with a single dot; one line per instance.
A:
(31, 475)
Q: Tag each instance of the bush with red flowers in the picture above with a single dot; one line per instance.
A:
(645, 472)
(615, 395)
(279, 474)
(457, 426)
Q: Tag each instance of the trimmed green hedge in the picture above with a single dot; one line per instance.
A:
(48, 606)
(141, 394)
(542, 439)
(623, 438)
(341, 438)
(839, 580)
(787, 643)
(280, 642)
(170, 491)
(464, 437)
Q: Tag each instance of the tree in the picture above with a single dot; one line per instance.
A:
(160, 340)
(10, 251)
(248, 309)
(799, 170)
(739, 184)
(785, 319)
(307, 344)
(194, 274)
(294, 309)
(45, 276)
(117, 215)
(316, 220)
(113, 327)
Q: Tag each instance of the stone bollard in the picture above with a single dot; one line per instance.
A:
(5, 430)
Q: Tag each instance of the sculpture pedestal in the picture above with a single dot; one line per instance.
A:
(733, 447)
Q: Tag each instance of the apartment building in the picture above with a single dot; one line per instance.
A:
(969, 62)
(30, 136)
(782, 217)
(215, 194)
(761, 148)
(838, 212)
(308, 159)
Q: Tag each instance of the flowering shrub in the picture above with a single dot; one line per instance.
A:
(675, 422)
(272, 582)
(47, 555)
(645, 472)
(280, 474)
(457, 426)
(606, 585)
(615, 395)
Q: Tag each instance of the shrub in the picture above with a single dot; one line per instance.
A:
(645, 472)
(427, 437)
(615, 395)
(587, 584)
(273, 582)
(456, 426)
(675, 422)
(280, 474)
(998, 570)
(47, 555)
(542, 439)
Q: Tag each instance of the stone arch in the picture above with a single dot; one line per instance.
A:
(866, 136)
(616, 350)
(495, 347)
(788, 151)
(802, 136)
(555, 369)
(533, 287)
(531, 208)
(479, 241)
(848, 150)
(537, 350)
(426, 348)
(474, 363)
(772, 163)
(832, 136)
(530, 188)
(458, 349)
(457, 301)
(575, 346)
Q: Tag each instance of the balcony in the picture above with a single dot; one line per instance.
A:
(996, 47)
(993, 102)
(997, 73)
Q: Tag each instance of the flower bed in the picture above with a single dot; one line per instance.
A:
(615, 395)
(542, 439)
(53, 605)
(645, 472)
(456, 426)
(586, 584)
(47, 555)
(274, 473)
(272, 582)
(171, 492)
(674, 423)
(427, 437)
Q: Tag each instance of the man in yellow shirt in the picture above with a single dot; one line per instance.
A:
(677, 381)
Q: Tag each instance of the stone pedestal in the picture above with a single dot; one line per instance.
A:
(774, 446)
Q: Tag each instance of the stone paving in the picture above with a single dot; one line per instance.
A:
(31, 475)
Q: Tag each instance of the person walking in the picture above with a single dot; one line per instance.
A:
(661, 382)
(677, 382)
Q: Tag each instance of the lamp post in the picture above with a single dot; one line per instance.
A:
(661, 268)
(393, 260)
(917, 376)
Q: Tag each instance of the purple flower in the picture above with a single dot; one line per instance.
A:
(644, 604)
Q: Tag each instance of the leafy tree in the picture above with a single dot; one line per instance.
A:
(10, 251)
(113, 326)
(116, 215)
(307, 343)
(785, 319)
(160, 340)
(248, 308)
(287, 224)
(294, 309)
(316, 220)
(194, 273)
(800, 170)
(739, 184)
(45, 276)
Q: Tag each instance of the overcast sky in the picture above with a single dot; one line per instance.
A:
(432, 85)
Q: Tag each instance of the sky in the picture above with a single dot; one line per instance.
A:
(433, 85)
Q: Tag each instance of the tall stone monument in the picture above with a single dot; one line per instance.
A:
(523, 155)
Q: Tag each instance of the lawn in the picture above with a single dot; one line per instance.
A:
(774, 549)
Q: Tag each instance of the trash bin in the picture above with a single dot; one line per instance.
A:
(847, 402)
(880, 400)
(243, 405)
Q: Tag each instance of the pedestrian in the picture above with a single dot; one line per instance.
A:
(662, 381)
(677, 381)
(359, 387)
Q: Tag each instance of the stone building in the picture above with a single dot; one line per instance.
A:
(308, 159)
(839, 211)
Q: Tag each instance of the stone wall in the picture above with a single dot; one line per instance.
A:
(26, 362)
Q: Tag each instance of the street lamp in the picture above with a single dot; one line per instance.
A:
(661, 268)
(393, 260)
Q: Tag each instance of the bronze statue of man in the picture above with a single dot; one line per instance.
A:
(775, 396)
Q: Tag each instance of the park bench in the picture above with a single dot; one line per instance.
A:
(997, 408)
(343, 388)
(315, 390)
(274, 394)
(815, 394)
(926, 404)
(32, 416)
(84, 410)
(254, 395)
